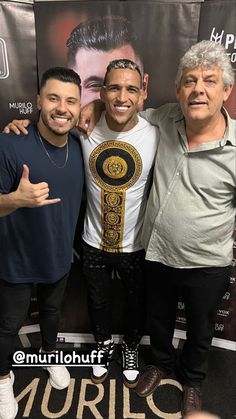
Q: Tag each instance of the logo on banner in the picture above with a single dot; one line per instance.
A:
(226, 39)
(219, 327)
(24, 108)
(4, 67)
(98, 400)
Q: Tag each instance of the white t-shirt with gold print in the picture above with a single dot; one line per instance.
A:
(118, 172)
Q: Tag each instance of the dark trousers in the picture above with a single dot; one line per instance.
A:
(201, 290)
(14, 306)
(97, 267)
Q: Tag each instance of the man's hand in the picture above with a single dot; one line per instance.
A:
(17, 126)
(32, 195)
(90, 115)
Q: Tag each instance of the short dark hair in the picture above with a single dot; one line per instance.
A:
(101, 33)
(122, 63)
(64, 74)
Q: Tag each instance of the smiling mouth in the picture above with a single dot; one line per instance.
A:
(60, 120)
(121, 108)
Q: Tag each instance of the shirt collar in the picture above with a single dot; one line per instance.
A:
(230, 132)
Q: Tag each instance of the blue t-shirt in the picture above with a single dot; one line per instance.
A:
(36, 243)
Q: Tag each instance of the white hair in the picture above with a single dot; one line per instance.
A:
(207, 54)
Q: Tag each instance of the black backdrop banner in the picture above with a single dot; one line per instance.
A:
(33, 37)
(18, 71)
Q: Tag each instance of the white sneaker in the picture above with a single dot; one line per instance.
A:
(59, 377)
(130, 364)
(99, 374)
(8, 403)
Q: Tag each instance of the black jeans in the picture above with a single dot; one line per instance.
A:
(201, 290)
(97, 267)
(14, 306)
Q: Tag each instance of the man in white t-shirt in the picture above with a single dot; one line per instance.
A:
(118, 156)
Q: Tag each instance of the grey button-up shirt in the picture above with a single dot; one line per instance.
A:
(190, 215)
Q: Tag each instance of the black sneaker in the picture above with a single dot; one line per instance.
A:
(99, 374)
(130, 364)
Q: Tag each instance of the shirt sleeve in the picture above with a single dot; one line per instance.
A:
(7, 167)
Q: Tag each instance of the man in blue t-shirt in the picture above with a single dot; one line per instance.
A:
(41, 183)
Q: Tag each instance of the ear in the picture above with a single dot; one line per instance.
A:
(177, 92)
(142, 97)
(145, 85)
(230, 103)
(227, 91)
(38, 103)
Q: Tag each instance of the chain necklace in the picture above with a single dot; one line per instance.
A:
(50, 158)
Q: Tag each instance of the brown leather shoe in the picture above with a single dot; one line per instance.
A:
(192, 400)
(148, 381)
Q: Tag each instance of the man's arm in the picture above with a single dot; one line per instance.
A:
(27, 195)
(89, 116)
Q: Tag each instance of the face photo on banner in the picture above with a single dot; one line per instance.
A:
(152, 46)
(94, 43)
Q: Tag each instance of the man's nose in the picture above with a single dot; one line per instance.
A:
(62, 106)
(199, 86)
(123, 93)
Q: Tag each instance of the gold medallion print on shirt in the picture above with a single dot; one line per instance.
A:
(115, 167)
